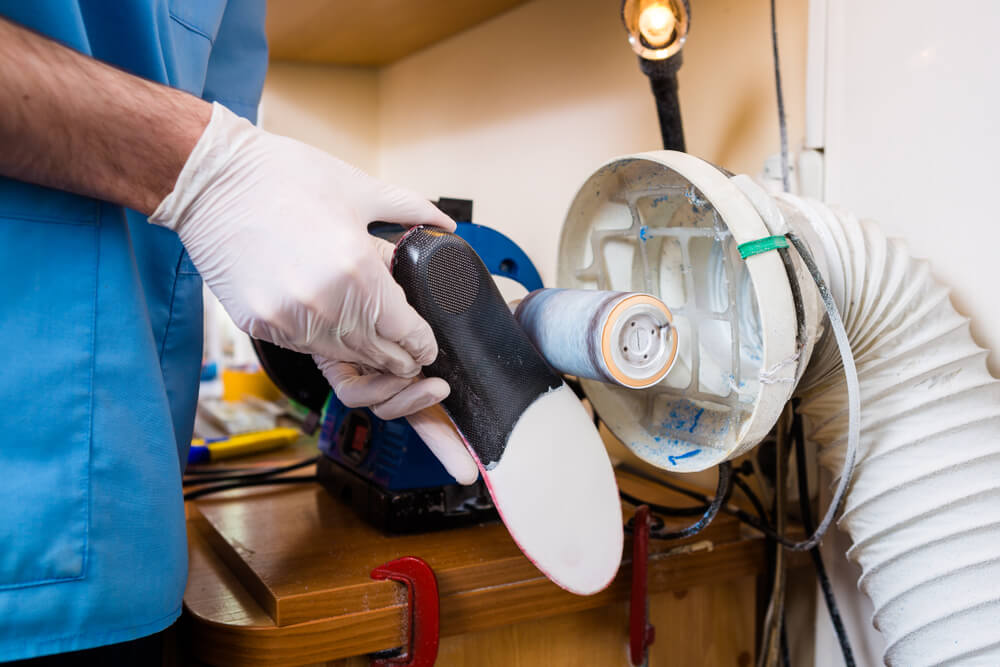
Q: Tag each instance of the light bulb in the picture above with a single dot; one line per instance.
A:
(656, 23)
(656, 28)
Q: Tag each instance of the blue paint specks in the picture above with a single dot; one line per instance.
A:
(682, 417)
(656, 202)
(644, 233)
(686, 455)
(657, 438)
(696, 418)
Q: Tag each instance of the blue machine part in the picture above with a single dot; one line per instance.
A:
(390, 453)
(501, 256)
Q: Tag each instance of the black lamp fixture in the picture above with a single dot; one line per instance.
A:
(657, 30)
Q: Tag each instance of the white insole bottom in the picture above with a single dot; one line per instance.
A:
(556, 491)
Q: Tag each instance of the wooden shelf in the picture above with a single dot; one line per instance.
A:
(280, 575)
(369, 32)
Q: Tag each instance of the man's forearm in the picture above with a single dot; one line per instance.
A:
(70, 122)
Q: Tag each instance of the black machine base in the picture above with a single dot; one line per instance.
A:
(411, 510)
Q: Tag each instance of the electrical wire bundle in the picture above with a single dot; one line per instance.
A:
(214, 480)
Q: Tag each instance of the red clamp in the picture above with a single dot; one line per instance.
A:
(422, 604)
(640, 633)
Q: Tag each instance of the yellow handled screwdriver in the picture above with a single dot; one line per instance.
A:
(217, 449)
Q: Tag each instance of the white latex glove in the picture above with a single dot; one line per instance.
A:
(417, 399)
(390, 397)
(435, 428)
(278, 231)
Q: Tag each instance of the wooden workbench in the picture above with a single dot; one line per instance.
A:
(280, 576)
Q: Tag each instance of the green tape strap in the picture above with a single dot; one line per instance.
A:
(751, 248)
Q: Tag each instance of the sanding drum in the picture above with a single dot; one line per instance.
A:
(624, 338)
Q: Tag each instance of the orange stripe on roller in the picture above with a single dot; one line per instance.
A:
(616, 312)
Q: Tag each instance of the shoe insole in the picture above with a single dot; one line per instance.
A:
(537, 448)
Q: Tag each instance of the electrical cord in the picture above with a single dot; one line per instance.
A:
(663, 509)
(708, 512)
(786, 660)
(853, 397)
(207, 478)
(202, 469)
(728, 479)
(774, 618)
(786, 186)
(755, 523)
(221, 481)
(267, 481)
(817, 559)
(722, 493)
(782, 122)
(741, 484)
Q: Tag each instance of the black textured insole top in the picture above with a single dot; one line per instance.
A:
(494, 371)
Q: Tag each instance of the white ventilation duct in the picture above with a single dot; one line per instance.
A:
(923, 510)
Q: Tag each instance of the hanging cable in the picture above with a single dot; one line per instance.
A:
(198, 493)
(663, 509)
(826, 588)
(786, 183)
(758, 506)
(770, 653)
(786, 659)
(759, 524)
(853, 396)
(722, 493)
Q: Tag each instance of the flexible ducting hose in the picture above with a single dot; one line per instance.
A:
(923, 510)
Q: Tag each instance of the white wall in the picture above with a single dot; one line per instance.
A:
(333, 108)
(912, 135)
(517, 113)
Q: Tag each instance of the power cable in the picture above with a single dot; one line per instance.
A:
(198, 493)
(817, 558)
(786, 181)
(722, 493)
(207, 478)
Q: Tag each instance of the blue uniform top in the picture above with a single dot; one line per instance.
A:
(100, 349)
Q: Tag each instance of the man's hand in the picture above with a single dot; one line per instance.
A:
(418, 399)
(278, 231)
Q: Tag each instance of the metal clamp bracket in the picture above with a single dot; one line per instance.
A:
(640, 633)
(422, 604)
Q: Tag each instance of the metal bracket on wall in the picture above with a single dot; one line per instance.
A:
(422, 606)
